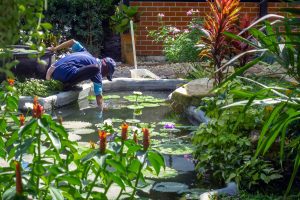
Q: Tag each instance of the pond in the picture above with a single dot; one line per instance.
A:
(82, 119)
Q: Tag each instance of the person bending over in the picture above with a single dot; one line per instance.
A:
(79, 66)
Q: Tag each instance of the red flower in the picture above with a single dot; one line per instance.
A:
(22, 120)
(19, 187)
(135, 137)
(35, 100)
(124, 131)
(103, 141)
(146, 138)
(11, 81)
(37, 111)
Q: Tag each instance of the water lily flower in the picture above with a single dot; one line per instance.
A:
(108, 122)
(19, 187)
(135, 137)
(103, 141)
(37, 111)
(22, 120)
(169, 126)
(11, 81)
(124, 131)
(137, 93)
(146, 138)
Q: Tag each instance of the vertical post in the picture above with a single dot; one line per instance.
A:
(263, 8)
(133, 44)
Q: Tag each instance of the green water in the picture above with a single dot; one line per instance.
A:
(87, 111)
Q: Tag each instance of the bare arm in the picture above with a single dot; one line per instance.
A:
(64, 45)
(99, 100)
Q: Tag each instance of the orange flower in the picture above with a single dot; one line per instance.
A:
(35, 100)
(103, 141)
(22, 120)
(92, 145)
(19, 187)
(37, 111)
(11, 81)
(135, 137)
(146, 138)
(124, 131)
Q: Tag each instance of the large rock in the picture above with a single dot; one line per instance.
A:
(191, 94)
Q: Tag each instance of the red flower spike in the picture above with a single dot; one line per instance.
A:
(146, 138)
(135, 137)
(124, 131)
(103, 141)
(37, 111)
(11, 81)
(19, 187)
(22, 120)
(35, 100)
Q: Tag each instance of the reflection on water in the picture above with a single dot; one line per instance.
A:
(87, 111)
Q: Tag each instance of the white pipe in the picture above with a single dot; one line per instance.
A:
(133, 44)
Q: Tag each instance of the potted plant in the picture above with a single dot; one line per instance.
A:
(120, 23)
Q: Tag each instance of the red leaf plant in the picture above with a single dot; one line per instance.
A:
(223, 15)
(103, 141)
(146, 138)
(237, 46)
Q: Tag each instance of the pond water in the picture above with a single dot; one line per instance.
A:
(175, 147)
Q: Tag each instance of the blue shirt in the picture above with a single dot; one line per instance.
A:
(66, 67)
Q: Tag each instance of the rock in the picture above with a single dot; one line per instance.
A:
(169, 187)
(230, 190)
(190, 94)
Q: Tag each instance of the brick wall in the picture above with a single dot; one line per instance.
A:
(175, 15)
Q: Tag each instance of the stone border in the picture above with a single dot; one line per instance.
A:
(118, 84)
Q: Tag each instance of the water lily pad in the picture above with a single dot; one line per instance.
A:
(163, 174)
(132, 121)
(170, 130)
(111, 97)
(150, 104)
(73, 137)
(155, 100)
(173, 148)
(133, 107)
(169, 187)
(76, 124)
(83, 131)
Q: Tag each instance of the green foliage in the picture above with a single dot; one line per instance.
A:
(120, 21)
(80, 19)
(223, 146)
(52, 166)
(38, 87)
(178, 45)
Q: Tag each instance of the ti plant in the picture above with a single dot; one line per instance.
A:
(222, 17)
(283, 46)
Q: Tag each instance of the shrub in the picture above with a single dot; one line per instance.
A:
(81, 20)
(179, 45)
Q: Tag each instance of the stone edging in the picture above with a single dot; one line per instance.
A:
(118, 84)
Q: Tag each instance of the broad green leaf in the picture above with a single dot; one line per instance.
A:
(55, 193)
(116, 165)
